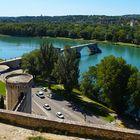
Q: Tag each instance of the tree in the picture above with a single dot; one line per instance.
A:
(30, 63)
(48, 56)
(112, 76)
(88, 84)
(134, 90)
(40, 62)
(110, 79)
(66, 69)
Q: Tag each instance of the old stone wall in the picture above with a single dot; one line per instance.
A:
(68, 127)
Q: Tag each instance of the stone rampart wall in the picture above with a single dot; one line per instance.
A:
(68, 127)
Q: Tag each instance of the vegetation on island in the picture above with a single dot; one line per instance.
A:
(102, 28)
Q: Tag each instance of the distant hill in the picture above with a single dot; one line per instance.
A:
(94, 19)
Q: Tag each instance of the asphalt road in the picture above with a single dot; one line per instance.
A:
(63, 106)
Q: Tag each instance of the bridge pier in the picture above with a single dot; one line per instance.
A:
(94, 49)
(78, 54)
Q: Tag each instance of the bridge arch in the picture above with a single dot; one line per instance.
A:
(93, 48)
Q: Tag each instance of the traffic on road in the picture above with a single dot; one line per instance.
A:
(44, 103)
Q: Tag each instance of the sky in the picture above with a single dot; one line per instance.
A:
(68, 7)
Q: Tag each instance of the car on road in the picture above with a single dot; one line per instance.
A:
(44, 89)
(49, 96)
(60, 115)
(47, 107)
(40, 94)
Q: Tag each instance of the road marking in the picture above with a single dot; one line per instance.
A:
(40, 107)
(72, 114)
(48, 114)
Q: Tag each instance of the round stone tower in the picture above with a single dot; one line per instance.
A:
(18, 92)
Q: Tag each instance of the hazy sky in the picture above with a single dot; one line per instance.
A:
(68, 7)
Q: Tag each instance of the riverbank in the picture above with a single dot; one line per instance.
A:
(83, 40)
(104, 42)
(120, 44)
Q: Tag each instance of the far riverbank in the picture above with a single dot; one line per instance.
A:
(82, 40)
(105, 42)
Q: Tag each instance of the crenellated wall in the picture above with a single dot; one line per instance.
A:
(68, 127)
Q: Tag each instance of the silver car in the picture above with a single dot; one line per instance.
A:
(47, 107)
(60, 115)
(40, 94)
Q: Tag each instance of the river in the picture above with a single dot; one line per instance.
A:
(11, 47)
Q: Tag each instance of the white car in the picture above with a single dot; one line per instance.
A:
(60, 115)
(44, 89)
(47, 107)
(40, 94)
(49, 96)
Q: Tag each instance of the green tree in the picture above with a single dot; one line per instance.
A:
(134, 90)
(48, 56)
(66, 70)
(88, 84)
(30, 63)
(40, 62)
(112, 76)
(108, 83)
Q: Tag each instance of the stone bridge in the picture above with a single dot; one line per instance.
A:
(93, 48)
(12, 63)
(16, 62)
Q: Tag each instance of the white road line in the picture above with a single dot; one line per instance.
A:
(48, 114)
(72, 114)
(40, 107)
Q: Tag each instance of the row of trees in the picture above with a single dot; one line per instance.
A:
(94, 19)
(115, 33)
(49, 63)
(114, 83)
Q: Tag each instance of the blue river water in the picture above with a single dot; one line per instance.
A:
(11, 47)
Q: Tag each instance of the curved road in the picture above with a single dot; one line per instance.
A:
(60, 106)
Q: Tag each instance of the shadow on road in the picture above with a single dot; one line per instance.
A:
(78, 105)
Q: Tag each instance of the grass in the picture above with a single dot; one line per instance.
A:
(57, 87)
(37, 138)
(108, 118)
(85, 98)
(2, 88)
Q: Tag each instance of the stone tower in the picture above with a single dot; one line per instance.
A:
(18, 92)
